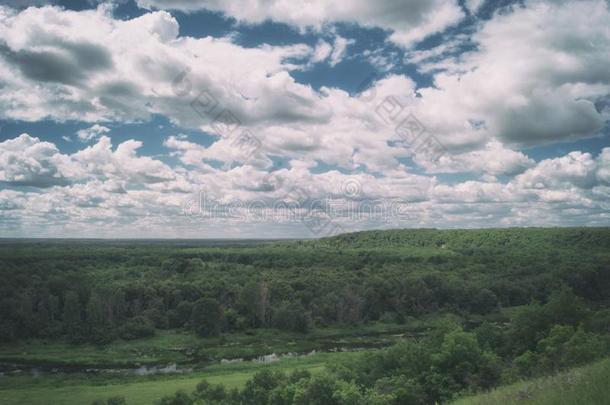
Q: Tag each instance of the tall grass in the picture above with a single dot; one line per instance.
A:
(589, 385)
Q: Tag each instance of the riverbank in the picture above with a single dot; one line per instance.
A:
(186, 350)
(82, 389)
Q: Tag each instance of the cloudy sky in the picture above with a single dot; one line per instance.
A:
(265, 118)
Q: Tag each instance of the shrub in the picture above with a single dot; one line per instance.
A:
(136, 327)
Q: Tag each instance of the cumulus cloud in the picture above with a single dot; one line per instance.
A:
(409, 21)
(509, 91)
(576, 169)
(116, 187)
(494, 159)
(262, 95)
(27, 161)
(101, 161)
(525, 85)
(52, 65)
(516, 86)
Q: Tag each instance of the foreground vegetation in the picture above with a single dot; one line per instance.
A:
(584, 385)
(436, 369)
(442, 314)
(85, 389)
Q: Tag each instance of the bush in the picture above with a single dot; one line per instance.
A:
(566, 346)
(179, 398)
(136, 327)
(110, 401)
(210, 393)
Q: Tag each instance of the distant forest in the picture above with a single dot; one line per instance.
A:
(99, 291)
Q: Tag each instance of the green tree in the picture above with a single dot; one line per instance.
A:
(254, 303)
(292, 317)
(181, 315)
(209, 393)
(320, 390)
(72, 319)
(206, 317)
(258, 389)
(136, 327)
(565, 308)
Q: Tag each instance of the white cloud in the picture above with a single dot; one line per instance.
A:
(485, 98)
(321, 52)
(28, 161)
(525, 85)
(339, 47)
(55, 66)
(494, 159)
(576, 169)
(11, 200)
(92, 132)
(410, 21)
(381, 59)
(100, 161)
(118, 191)
(519, 85)
(334, 53)
(443, 57)
(474, 5)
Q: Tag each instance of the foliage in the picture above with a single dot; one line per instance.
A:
(436, 369)
(92, 291)
(111, 401)
(206, 317)
(510, 303)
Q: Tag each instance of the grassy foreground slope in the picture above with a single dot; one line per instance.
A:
(584, 385)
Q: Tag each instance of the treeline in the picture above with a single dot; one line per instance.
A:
(525, 240)
(99, 291)
(447, 363)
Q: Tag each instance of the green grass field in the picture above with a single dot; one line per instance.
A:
(589, 385)
(141, 390)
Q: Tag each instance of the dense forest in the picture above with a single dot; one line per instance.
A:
(522, 302)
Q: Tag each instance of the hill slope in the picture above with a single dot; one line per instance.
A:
(584, 385)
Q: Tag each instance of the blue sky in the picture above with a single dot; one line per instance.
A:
(105, 130)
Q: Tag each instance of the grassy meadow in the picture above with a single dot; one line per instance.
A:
(81, 389)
